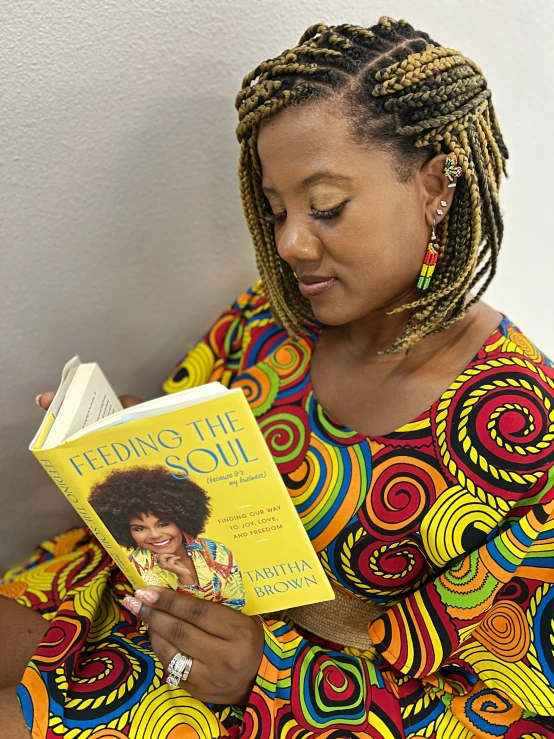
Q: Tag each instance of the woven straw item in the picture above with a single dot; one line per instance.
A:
(343, 620)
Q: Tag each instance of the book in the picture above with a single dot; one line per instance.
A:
(181, 491)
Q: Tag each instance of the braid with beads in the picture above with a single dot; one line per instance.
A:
(414, 97)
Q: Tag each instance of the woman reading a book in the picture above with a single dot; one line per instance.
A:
(412, 423)
(160, 518)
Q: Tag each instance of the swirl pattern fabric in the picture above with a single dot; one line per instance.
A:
(448, 522)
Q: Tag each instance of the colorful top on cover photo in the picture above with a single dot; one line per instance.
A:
(158, 518)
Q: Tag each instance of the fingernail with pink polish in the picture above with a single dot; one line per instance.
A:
(132, 604)
(150, 596)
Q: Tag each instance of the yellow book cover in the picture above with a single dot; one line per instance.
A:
(186, 497)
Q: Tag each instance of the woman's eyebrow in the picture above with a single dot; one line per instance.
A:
(317, 177)
(325, 175)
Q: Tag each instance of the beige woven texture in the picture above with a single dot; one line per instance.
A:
(343, 620)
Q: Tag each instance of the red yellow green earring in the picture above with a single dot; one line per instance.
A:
(428, 267)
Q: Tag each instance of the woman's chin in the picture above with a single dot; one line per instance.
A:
(335, 307)
(330, 315)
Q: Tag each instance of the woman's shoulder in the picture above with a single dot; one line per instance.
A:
(211, 549)
(491, 429)
(204, 543)
(494, 423)
(250, 329)
(241, 336)
(252, 302)
(510, 345)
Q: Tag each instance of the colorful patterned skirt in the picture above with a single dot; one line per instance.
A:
(95, 675)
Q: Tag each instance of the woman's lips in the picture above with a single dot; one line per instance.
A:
(163, 543)
(313, 288)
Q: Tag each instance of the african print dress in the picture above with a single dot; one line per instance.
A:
(448, 522)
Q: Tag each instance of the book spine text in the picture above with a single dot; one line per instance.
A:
(65, 477)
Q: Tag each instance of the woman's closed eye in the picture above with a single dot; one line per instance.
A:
(317, 214)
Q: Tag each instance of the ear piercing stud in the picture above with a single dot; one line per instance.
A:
(443, 203)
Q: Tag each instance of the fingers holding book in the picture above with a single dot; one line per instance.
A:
(127, 401)
(44, 400)
(210, 616)
(226, 645)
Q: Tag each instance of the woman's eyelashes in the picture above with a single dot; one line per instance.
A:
(317, 214)
(331, 213)
(161, 525)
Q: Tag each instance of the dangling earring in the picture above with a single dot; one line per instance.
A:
(428, 267)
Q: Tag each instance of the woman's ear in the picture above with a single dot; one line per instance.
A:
(436, 190)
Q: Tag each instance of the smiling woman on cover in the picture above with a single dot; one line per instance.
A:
(412, 423)
(160, 518)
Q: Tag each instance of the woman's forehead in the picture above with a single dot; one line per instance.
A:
(303, 129)
(292, 160)
(304, 143)
(144, 518)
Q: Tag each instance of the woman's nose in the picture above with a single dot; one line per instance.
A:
(296, 242)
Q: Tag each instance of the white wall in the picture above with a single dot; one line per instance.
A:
(122, 234)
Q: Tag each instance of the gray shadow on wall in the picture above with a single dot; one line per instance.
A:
(163, 248)
(181, 244)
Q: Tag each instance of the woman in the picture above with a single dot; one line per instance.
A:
(411, 422)
(160, 518)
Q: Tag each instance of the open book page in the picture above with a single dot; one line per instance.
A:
(155, 407)
(86, 397)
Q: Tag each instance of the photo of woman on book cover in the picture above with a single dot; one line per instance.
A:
(158, 519)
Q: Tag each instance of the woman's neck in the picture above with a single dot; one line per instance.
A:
(362, 340)
(452, 348)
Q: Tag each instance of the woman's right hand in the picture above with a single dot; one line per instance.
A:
(182, 567)
(45, 400)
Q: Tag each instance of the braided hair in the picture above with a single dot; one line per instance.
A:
(417, 99)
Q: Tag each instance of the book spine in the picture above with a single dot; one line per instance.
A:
(59, 469)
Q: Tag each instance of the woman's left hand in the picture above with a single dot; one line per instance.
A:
(226, 646)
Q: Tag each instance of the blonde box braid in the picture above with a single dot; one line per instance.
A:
(414, 97)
